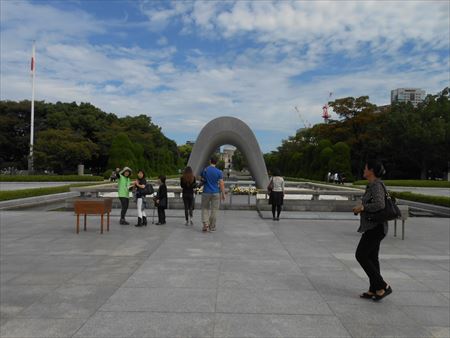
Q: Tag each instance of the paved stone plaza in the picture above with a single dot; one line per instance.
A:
(252, 278)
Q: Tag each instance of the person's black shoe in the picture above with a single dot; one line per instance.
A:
(139, 223)
(144, 221)
(387, 292)
(278, 218)
(274, 218)
(123, 222)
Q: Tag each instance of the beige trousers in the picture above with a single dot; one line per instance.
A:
(210, 205)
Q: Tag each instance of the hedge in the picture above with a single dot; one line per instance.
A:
(49, 178)
(411, 183)
(23, 193)
(436, 200)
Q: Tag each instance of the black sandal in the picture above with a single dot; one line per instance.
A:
(387, 291)
(366, 295)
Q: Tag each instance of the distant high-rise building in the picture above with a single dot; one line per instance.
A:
(413, 95)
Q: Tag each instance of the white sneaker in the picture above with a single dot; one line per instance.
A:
(187, 223)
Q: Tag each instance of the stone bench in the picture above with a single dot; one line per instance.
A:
(404, 209)
(93, 207)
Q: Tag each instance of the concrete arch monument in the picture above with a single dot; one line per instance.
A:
(229, 130)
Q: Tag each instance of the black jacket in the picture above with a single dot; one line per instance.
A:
(140, 192)
(188, 188)
(162, 196)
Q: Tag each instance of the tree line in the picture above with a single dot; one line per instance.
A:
(68, 134)
(412, 142)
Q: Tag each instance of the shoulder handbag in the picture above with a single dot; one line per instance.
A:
(390, 211)
(270, 186)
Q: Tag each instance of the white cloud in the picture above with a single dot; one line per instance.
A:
(271, 44)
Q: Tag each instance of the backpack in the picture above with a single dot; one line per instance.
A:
(148, 190)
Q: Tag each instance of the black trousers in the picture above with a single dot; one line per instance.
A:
(124, 203)
(188, 206)
(161, 215)
(276, 207)
(367, 256)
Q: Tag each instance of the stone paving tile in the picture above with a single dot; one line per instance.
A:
(271, 301)
(293, 278)
(69, 301)
(382, 313)
(155, 278)
(148, 324)
(267, 281)
(428, 315)
(260, 325)
(162, 300)
(379, 331)
(40, 327)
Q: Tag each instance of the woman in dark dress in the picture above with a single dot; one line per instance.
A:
(161, 200)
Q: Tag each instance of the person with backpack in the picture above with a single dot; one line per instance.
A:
(124, 192)
(161, 200)
(188, 184)
(142, 189)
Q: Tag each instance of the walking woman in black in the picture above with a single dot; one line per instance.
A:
(161, 200)
(372, 232)
(188, 183)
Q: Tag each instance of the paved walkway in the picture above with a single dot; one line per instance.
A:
(252, 278)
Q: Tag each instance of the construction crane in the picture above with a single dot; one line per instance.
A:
(306, 124)
(325, 114)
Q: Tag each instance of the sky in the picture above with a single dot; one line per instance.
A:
(186, 62)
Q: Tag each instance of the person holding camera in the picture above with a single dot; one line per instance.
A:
(124, 192)
(373, 232)
(141, 190)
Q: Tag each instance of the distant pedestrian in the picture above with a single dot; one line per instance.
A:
(188, 184)
(124, 192)
(140, 185)
(336, 178)
(161, 200)
(276, 194)
(372, 232)
(212, 179)
(329, 177)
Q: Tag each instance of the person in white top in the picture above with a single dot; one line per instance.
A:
(276, 193)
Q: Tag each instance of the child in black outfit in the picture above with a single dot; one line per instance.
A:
(161, 200)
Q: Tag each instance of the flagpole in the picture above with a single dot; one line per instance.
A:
(33, 72)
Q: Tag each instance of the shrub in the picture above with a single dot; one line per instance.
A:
(436, 200)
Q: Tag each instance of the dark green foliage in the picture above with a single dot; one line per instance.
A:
(239, 161)
(86, 134)
(411, 142)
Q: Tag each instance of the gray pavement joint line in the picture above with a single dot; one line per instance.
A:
(118, 287)
(306, 276)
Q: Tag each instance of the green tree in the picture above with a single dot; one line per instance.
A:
(62, 150)
(122, 153)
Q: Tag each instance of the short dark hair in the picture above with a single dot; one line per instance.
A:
(376, 166)
(276, 172)
(162, 178)
(213, 160)
(142, 171)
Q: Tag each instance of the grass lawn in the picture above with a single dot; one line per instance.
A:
(411, 183)
(436, 200)
(23, 193)
(49, 178)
